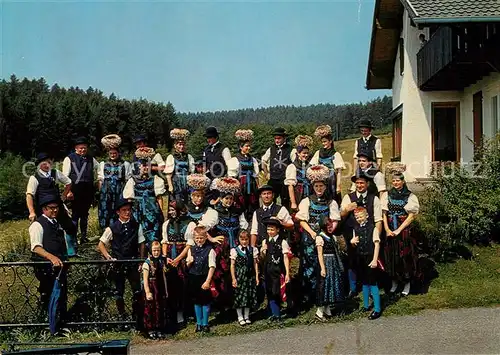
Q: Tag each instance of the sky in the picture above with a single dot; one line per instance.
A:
(200, 56)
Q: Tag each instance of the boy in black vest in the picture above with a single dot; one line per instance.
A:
(215, 155)
(377, 184)
(48, 243)
(360, 198)
(368, 143)
(275, 161)
(43, 185)
(79, 166)
(126, 239)
(275, 250)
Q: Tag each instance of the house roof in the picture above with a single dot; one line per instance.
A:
(438, 11)
(387, 24)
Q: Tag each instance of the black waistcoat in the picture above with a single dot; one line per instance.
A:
(125, 243)
(368, 147)
(279, 160)
(273, 261)
(365, 235)
(47, 187)
(200, 259)
(350, 223)
(53, 239)
(79, 164)
(263, 215)
(214, 161)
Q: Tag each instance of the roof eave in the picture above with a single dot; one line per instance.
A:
(437, 20)
(372, 44)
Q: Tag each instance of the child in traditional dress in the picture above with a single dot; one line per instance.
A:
(330, 281)
(179, 165)
(201, 264)
(155, 290)
(245, 275)
(366, 243)
(275, 250)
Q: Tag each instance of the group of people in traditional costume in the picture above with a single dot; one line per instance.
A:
(224, 241)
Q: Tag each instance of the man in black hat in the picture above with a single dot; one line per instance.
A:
(157, 163)
(126, 240)
(275, 161)
(359, 198)
(80, 167)
(368, 143)
(377, 184)
(267, 210)
(215, 155)
(43, 185)
(48, 243)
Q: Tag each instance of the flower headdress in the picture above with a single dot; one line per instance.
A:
(304, 141)
(323, 131)
(198, 182)
(144, 153)
(111, 141)
(179, 134)
(244, 135)
(317, 173)
(226, 185)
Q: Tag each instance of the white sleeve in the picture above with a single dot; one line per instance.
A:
(140, 235)
(233, 253)
(243, 222)
(284, 215)
(353, 187)
(412, 206)
(66, 168)
(384, 203)
(157, 159)
(355, 155)
(378, 148)
(169, 165)
(285, 247)
(379, 181)
(191, 165)
(256, 169)
(128, 170)
(96, 164)
(233, 167)
(159, 186)
(377, 210)
(345, 201)
(263, 246)
(36, 235)
(226, 154)
(255, 226)
(338, 162)
(291, 175)
(315, 159)
(32, 186)
(211, 259)
(209, 219)
(128, 190)
(334, 211)
(319, 241)
(255, 253)
(62, 179)
(164, 235)
(100, 171)
(145, 266)
(189, 235)
(107, 236)
(293, 154)
(266, 157)
(303, 212)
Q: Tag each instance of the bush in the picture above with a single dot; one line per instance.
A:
(12, 187)
(462, 206)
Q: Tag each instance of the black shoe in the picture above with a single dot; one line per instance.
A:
(199, 328)
(364, 309)
(205, 329)
(374, 315)
(352, 295)
(84, 240)
(152, 335)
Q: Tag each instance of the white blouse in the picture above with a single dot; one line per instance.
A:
(170, 164)
(412, 206)
(209, 220)
(291, 175)
(338, 161)
(303, 212)
(164, 231)
(284, 245)
(159, 187)
(233, 167)
(100, 170)
(233, 253)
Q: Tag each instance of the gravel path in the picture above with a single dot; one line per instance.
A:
(460, 331)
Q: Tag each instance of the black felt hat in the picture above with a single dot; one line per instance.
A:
(365, 154)
(280, 131)
(42, 157)
(360, 175)
(48, 199)
(272, 222)
(211, 132)
(81, 140)
(139, 138)
(122, 202)
(365, 124)
(265, 188)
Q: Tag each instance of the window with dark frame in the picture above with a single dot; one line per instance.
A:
(401, 56)
(397, 137)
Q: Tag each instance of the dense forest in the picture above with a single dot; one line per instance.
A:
(35, 116)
